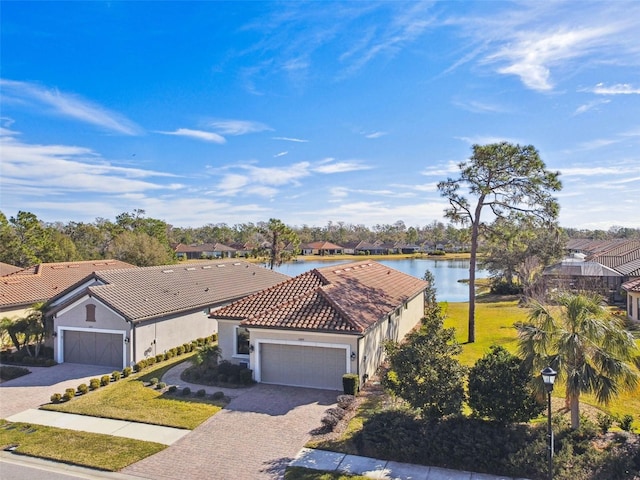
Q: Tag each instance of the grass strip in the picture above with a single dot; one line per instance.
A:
(93, 450)
(301, 473)
(129, 399)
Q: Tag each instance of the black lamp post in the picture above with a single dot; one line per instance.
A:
(548, 377)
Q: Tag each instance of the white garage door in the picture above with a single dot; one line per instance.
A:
(93, 348)
(302, 366)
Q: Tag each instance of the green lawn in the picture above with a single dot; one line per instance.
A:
(300, 473)
(79, 448)
(130, 399)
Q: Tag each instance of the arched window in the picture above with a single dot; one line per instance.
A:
(91, 312)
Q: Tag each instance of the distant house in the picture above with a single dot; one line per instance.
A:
(632, 288)
(23, 288)
(312, 329)
(577, 274)
(204, 251)
(321, 248)
(117, 318)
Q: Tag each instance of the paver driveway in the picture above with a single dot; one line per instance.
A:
(254, 437)
(36, 388)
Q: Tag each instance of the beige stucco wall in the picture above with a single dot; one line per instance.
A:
(633, 305)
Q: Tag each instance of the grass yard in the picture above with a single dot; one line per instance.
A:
(129, 399)
(494, 325)
(300, 473)
(79, 448)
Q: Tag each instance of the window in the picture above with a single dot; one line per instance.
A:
(91, 313)
(638, 309)
(242, 341)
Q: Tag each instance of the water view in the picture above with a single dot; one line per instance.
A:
(447, 273)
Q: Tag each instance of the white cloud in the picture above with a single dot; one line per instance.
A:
(618, 89)
(36, 97)
(281, 154)
(289, 139)
(588, 106)
(198, 134)
(340, 167)
(376, 134)
(238, 127)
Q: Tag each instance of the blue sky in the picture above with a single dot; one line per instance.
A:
(216, 112)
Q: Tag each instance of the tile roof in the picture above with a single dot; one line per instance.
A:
(42, 282)
(619, 254)
(149, 292)
(203, 247)
(632, 285)
(347, 298)
(6, 269)
(321, 245)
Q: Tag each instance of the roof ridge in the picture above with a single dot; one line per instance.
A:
(354, 323)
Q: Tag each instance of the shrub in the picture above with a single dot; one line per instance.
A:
(173, 388)
(56, 398)
(222, 378)
(350, 383)
(604, 422)
(83, 388)
(625, 422)
(201, 393)
(94, 383)
(346, 402)
(126, 372)
(68, 394)
(151, 361)
(218, 395)
(200, 341)
(159, 357)
(332, 417)
(153, 381)
(180, 350)
(186, 391)
(141, 365)
(115, 375)
(105, 380)
(10, 372)
(188, 347)
(246, 376)
(161, 385)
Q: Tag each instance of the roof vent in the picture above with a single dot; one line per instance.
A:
(221, 265)
(206, 266)
(167, 271)
(189, 269)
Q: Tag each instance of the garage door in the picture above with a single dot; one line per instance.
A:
(302, 366)
(93, 348)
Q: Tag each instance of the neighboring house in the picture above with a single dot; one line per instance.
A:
(312, 329)
(21, 289)
(205, 250)
(321, 248)
(6, 269)
(406, 248)
(120, 317)
(632, 288)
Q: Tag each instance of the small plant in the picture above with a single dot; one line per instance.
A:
(604, 422)
(56, 398)
(94, 383)
(153, 381)
(201, 393)
(332, 417)
(625, 422)
(105, 380)
(68, 394)
(83, 388)
(160, 357)
(126, 372)
(161, 385)
(346, 402)
(180, 350)
(115, 375)
(218, 395)
(141, 365)
(173, 389)
(350, 383)
(186, 391)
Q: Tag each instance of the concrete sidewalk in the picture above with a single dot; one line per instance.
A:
(381, 469)
(107, 426)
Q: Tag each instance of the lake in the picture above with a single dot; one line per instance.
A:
(446, 273)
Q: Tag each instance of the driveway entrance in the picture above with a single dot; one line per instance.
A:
(254, 437)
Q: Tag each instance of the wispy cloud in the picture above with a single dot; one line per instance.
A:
(476, 106)
(238, 127)
(376, 134)
(198, 134)
(588, 106)
(280, 154)
(485, 140)
(290, 139)
(54, 102)
(330, 166)
(618, 89)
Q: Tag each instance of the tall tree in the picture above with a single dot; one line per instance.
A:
(140, 249)
(590, 350)
(504, 178)
(284, 242)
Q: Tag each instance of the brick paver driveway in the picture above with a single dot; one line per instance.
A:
(254, 437)
(36, 388)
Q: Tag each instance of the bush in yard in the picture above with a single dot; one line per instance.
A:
(94, 383)
(69, 393)
(159, 357)
(161, 385)
(83, 388)
(332, 417)
(625, 422)
(153, 381)
(218, 395)
(105, 380)
(347, 402)
(126, 372)
(8, 372)
(56, 398)
(500, 388)
(180, 350)
(424, 370)
(141, 365)
(201, 393)
(173, 388)
(115, 375)
(246, 376)
(350, 383)
(186, 391)
(604, 422)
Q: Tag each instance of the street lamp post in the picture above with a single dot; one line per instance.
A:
(548, 377)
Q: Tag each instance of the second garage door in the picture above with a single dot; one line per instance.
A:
(93, 348)
(302, 366)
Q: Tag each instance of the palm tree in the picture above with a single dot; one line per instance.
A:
(590, 349)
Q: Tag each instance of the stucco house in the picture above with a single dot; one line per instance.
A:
(321, 248)
(20, 289)
(119, 317)
(312, 329)
(632, 287)
(204, 250)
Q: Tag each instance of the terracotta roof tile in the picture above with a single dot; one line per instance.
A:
(343, 298)
(42, 282)
(632, 285)
(6, 269)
